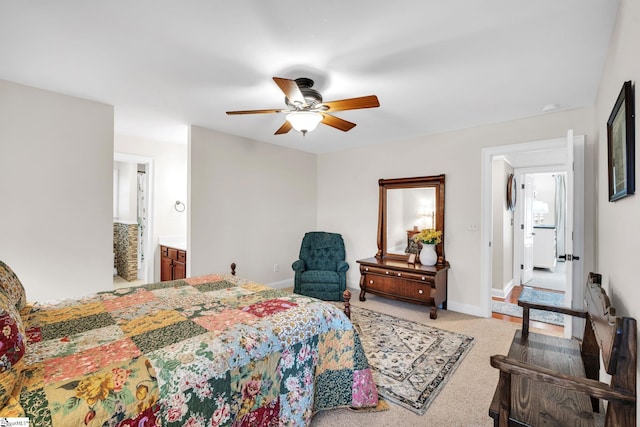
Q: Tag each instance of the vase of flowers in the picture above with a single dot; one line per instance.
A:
(429, 238)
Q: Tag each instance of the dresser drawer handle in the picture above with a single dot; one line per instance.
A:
(424, 278)
(371, 282)
(366, 269)
(399, 274)
(420, 292)
(386, 272)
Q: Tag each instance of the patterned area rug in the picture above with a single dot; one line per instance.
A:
(533, 295)
(411, 362)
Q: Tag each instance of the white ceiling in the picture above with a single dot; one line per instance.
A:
(435, 65)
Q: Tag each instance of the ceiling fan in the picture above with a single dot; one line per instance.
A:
(306, 108)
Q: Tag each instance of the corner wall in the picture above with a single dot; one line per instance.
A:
(56, 181)
(249, 203)
(618, 232)
(502, 231)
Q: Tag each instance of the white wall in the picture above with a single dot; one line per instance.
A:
(250, 203)
(618, 234)
(545, 191)
(169, 184)
(56, 181)
(127, 192)
(502, 277)
(348, 190)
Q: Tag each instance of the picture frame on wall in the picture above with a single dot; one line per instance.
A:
(621, 145)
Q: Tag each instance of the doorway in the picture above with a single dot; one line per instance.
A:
(133, 202)
(540, 237)
(536, 157)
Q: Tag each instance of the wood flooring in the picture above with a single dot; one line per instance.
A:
(512, 297)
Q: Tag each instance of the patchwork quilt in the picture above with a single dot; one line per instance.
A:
(214, 350)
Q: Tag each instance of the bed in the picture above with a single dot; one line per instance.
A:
(215, 350)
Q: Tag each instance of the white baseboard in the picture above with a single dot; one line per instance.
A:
(502, 293)
(283, 284)
(472, 310)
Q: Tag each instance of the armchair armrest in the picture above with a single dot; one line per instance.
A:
(342, 266)
(593, 388)
(299, 265)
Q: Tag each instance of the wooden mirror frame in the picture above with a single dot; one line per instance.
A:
(436, 182)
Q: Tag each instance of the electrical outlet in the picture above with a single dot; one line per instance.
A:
(473, 227)
(276, 268)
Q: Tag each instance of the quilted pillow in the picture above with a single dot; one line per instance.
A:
(12, 347)
(11, 286)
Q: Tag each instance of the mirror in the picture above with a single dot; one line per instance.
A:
(408, 205)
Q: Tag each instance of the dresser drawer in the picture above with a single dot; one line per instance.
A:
(417, 277)
(414, 290)
(377, 270)
(182, 256)
(396, 286)
(397, 274)
(380, 283)
(400, 280)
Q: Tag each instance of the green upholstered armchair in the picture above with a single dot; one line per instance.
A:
(321, 271)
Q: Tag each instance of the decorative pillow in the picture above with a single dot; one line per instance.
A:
(11, 286)
(12, 347)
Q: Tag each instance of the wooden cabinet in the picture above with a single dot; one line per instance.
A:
(173, 263)
(396, 279)
(544, 247)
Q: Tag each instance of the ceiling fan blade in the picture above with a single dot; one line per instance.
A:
(291, 90)
(336, 122)
(285, 128)
(255, 111)
(370, 101)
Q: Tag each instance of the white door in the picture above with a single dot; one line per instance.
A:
(569, 224)
(527, 227)
(568, 239)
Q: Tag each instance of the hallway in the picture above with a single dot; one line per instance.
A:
(542, 279)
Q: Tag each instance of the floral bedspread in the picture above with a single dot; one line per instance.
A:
(214, 350)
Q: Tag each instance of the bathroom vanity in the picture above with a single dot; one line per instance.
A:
(173, 263)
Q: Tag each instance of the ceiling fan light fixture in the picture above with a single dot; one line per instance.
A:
(304, 121)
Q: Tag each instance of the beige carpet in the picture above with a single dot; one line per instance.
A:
(465, 399)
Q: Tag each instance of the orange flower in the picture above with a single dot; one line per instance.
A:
(95, 388)
(141, 392)
(120, 378)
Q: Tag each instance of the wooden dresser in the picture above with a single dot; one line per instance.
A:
(396, 279)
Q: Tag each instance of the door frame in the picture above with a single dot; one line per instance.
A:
(486, 232)
(520, 219)
(518, 234)
(149, 265)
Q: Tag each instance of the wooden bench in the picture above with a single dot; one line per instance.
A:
(554, 381)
